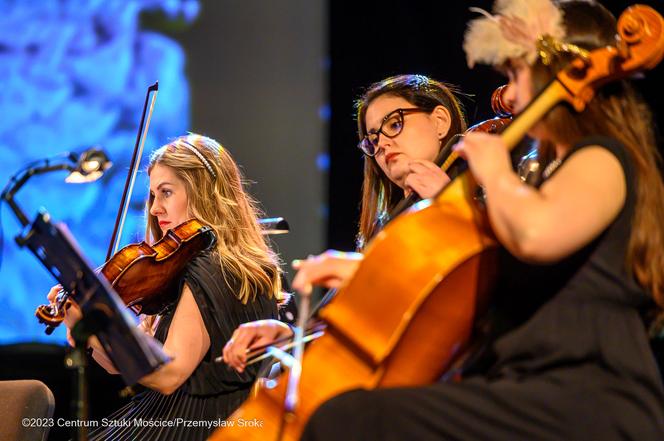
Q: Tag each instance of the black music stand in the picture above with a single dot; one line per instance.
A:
(133, 353)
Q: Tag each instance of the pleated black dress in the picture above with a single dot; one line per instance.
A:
(569, 359)
(213, 391)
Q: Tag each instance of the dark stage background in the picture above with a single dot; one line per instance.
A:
(370, 40)
(276, 82)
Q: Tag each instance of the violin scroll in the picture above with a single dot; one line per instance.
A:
(144, 276)
(51, 315)
(499, 105)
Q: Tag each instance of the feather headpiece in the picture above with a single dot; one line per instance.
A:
(516, 30)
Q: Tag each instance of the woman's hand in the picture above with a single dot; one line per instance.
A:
(331, 269)
(487, 156)
(252, 334)
(425, 178)
(72, 312)
(53, 293)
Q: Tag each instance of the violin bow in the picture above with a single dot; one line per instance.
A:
(146, 117)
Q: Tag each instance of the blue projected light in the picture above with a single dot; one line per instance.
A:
(323, 161)
(74, 74)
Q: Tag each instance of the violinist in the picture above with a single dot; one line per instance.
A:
(570, 358)
(237, 280)
(403, 122)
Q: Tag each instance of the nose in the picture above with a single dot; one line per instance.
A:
(383, 143)
(156, 209)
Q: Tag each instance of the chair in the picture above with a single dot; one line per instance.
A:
(22, 399)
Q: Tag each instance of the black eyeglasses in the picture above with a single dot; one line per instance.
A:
(391, 126)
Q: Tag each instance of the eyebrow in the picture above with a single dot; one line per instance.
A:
(161, 184)
(383, 120)
(373, 131)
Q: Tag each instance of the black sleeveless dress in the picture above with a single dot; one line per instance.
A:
(213, 391)
(569, 359)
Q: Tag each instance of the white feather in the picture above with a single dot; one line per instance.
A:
(512, 31)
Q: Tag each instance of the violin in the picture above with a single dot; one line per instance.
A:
(440, 255)
(145, 276)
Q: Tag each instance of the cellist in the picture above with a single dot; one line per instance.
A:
(403, 122)
(237, 280)
(585, 251)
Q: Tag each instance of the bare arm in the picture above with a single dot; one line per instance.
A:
(567, 212)
(187, 342)
(72, 315)
(332, 269)
(100, 356)
(249, 335)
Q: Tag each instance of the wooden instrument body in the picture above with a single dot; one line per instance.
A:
(145, 276)
(402, 319)
(409, 309)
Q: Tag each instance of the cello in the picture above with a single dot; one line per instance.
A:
(442, 248)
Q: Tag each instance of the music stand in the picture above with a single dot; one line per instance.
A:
(133, 353)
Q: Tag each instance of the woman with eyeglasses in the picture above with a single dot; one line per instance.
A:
(403, 122)
(569, 357)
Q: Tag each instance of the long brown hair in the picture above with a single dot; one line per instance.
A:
(379, 194)
(221, 202)
(618, 112)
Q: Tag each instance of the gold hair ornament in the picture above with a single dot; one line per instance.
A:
(549, 48)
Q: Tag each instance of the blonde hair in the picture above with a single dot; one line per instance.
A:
(216, 197)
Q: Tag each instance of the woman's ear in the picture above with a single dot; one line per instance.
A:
(443, 121)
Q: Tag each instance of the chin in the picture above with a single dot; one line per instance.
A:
(400, 182)
(399, 179)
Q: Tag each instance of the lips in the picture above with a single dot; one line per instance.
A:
(390, 156)
(163, 223)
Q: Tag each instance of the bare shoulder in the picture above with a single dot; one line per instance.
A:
(578, 202)
(592, 170)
